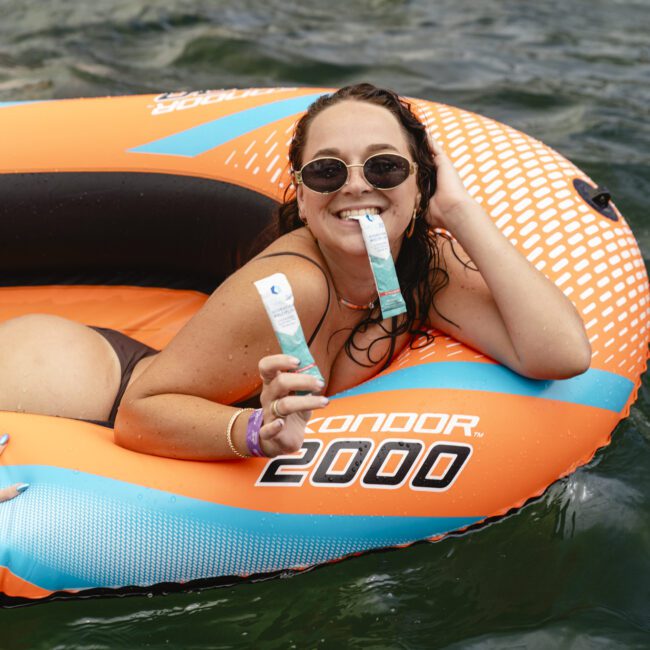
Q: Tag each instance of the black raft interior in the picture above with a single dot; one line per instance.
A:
(128, 228)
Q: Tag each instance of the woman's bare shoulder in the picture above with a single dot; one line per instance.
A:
(237, 301)
(216, 354)
(297, 256)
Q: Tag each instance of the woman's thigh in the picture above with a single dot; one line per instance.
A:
(54, 366)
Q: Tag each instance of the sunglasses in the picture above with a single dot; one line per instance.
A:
(383, 171)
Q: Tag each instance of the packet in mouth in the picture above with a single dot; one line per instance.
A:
(382, 265)
(277, 298)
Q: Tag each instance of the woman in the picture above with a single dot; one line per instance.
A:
(176, 402)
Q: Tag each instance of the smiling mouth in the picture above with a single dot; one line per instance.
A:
(347, 215)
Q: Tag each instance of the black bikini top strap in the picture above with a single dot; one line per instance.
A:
(329, 293)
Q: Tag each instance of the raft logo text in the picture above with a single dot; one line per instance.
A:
(181, 101)
(341, 461)
(427, 423)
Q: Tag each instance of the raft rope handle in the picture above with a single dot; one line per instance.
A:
(598, 198)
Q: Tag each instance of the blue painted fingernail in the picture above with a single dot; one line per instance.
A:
(22, 487)
(4, 439)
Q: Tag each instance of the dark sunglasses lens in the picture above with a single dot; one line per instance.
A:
(325, 175)
(386, 170)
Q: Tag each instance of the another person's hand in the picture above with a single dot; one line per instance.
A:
(13, 490)
(450, 192)
(285, 413)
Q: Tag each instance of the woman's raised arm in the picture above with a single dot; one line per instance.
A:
(508, 310)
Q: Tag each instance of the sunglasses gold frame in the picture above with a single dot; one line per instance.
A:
(297, 174)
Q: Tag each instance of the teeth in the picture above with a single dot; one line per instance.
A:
(353, 214)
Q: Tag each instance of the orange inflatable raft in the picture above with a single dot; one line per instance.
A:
(125, 212)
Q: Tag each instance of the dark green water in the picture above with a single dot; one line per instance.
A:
(571, 570)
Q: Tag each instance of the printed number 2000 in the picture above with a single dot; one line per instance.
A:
(441, 466)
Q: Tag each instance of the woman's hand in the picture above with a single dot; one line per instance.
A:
(450, 192)
(13, 490)
(509, 310)
(284, 434)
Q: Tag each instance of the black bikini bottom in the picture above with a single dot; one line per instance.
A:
(129, 352)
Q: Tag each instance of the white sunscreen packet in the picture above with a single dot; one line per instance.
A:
(383, 268)
(277, 297)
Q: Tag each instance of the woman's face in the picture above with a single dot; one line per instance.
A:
(353, 131)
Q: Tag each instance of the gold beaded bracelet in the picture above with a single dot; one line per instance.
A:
(229, 428)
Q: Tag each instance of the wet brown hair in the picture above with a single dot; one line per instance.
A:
(418, 265)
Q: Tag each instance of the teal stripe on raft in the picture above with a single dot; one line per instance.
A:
(7, 104)
(598, 388)
(210, 135)
(73, 530)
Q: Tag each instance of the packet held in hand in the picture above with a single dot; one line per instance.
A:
(383, 268)
(277, 297)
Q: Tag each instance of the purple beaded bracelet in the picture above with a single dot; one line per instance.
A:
(253, 433)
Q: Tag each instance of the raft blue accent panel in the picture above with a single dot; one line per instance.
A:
(73, 530)
(598, 388)
(7, 104)
(204, 137)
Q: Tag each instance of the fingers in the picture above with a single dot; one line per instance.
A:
(280, 385)
(271, 430)
(4, 441)
(284, 435)
(291, 382)
(286, 406)
(287, 398)
(279, 401)
(270, 366)
(278, 437)
(12, 491)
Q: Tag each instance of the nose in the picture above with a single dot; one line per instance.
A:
(356, 180)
